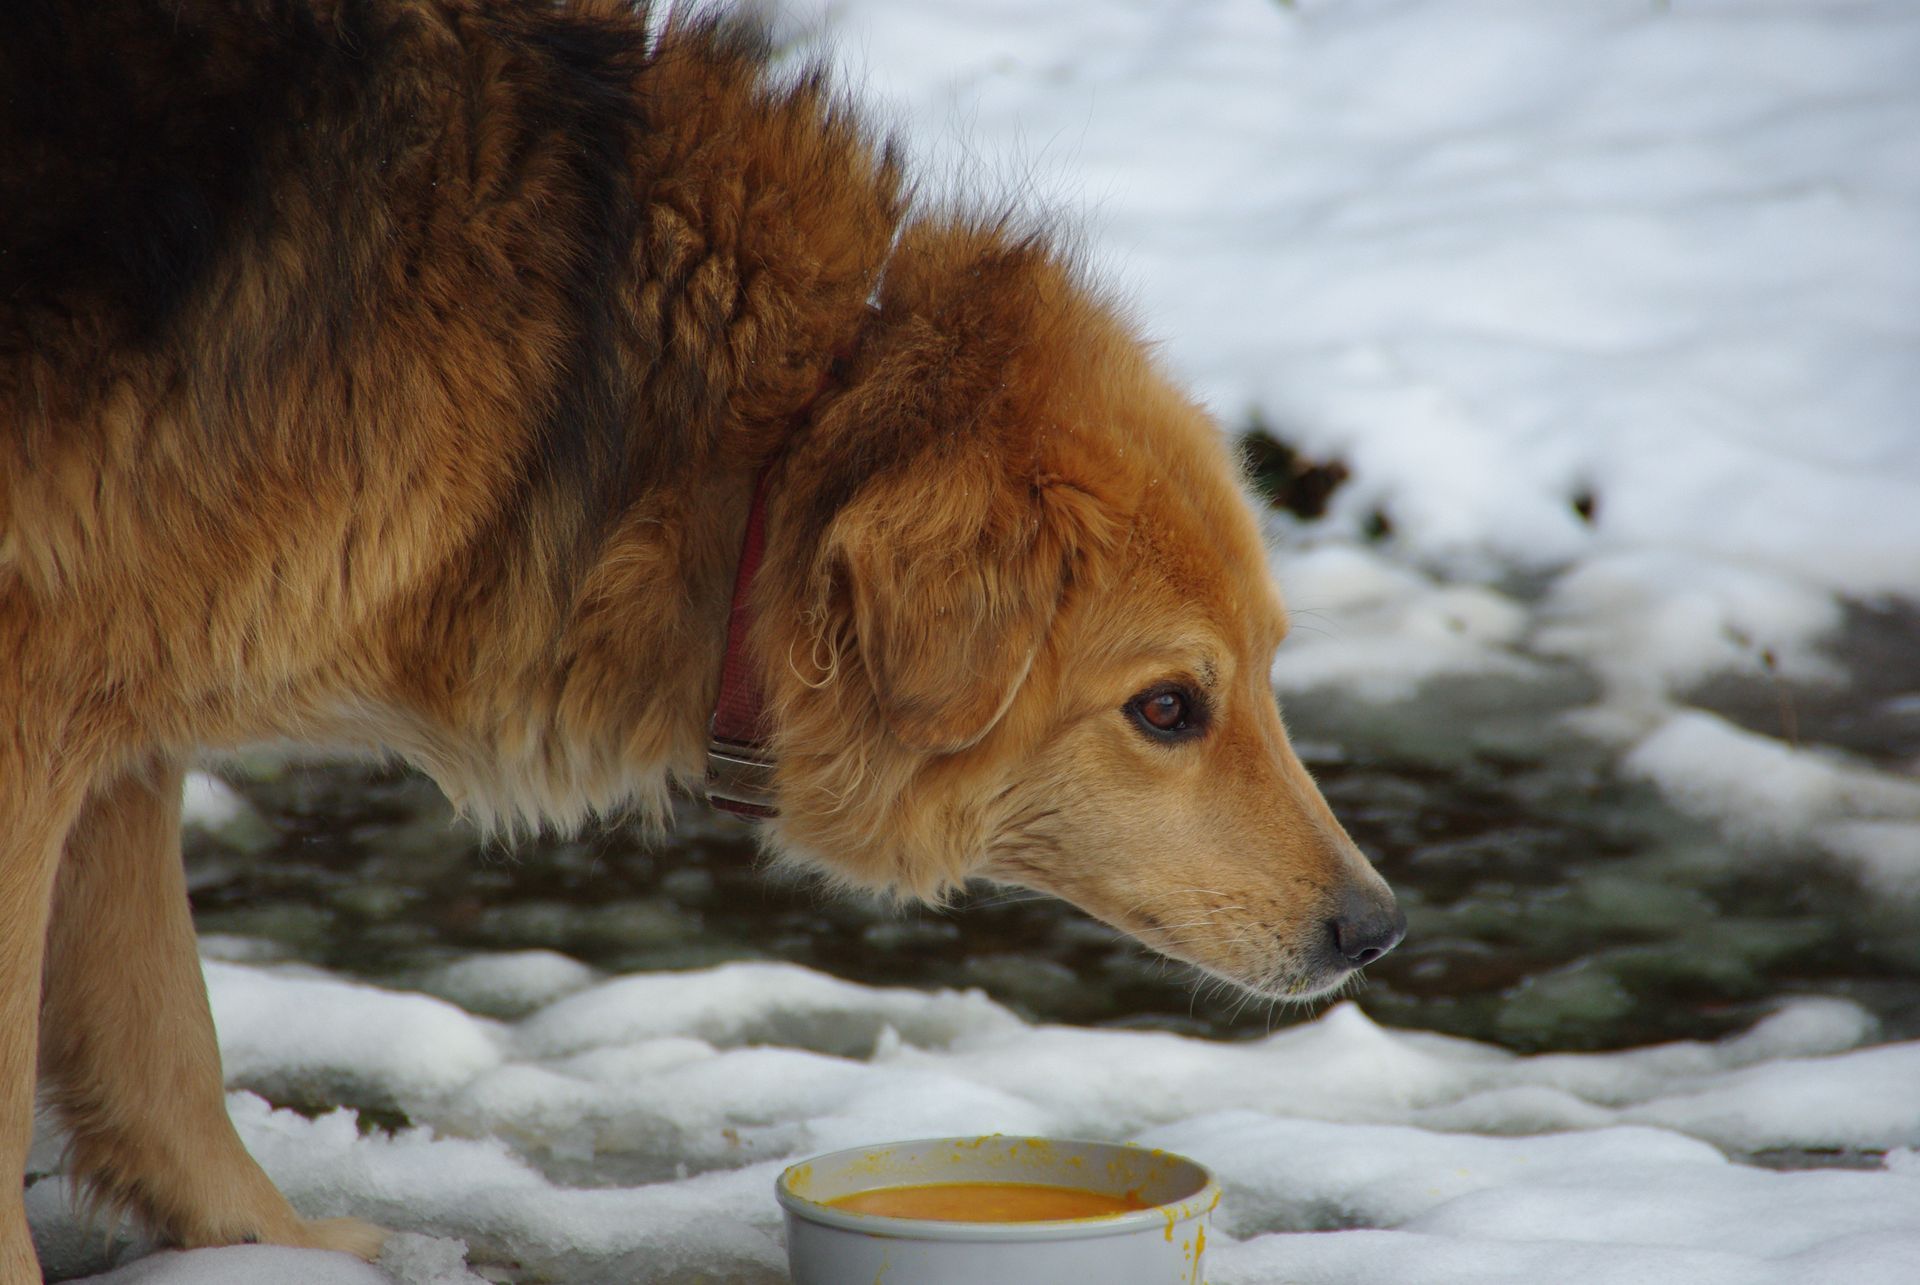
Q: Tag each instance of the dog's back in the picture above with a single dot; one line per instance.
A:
(225, 223)
(313, 309)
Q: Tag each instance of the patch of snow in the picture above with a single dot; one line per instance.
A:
(508, 985)
(210, 803)
(1379, 629)
(1770, 792)
(750, 1003)
(308, 1037)
(647, 1152)
(1653, 622)
(1493, 253)
(253, 1265)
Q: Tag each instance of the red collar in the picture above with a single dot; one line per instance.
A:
(739, 761)
(739, 767)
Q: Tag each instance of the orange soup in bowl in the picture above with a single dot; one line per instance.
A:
(987, 1202)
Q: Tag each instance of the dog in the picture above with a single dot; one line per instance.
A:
(477, 381)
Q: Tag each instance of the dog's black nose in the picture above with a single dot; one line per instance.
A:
(1366, 928)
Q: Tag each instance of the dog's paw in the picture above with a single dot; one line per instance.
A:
(348, 1235)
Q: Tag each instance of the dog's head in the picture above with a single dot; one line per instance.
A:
(1024, 631)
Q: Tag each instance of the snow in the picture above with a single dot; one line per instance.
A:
(1495, 257)
(1397, 626)
(632, 1132)
(1790, 796)
(1654, 621)
(1493, 252)
(253, 1265)
(769, 1002)
(508, 984)
(351, 1037)
(210, 802)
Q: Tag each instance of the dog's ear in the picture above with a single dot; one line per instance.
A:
(952, 577)
(947, 560)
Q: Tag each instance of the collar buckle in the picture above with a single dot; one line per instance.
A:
(740, 778)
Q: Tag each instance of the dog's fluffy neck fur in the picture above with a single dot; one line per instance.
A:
(613, 714)
(914, 378)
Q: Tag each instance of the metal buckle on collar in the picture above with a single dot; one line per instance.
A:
(740, 779)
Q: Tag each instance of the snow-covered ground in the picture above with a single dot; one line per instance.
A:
(630, 1129)
(1611, 308)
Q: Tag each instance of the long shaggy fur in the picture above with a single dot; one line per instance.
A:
(396, 374)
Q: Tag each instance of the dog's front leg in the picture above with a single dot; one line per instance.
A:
(128, 1043)
(39, 795)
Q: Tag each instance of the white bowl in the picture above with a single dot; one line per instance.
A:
(1163, 1244)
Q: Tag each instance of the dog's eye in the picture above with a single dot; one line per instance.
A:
(1166, 713)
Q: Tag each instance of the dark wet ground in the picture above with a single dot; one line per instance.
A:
(1552, 904)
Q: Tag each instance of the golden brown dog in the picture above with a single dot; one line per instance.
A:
(396, 373)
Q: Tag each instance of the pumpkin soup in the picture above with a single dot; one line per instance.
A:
(987, 1202)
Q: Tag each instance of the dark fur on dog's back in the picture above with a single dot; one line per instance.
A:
(161, 155)
(397, 374)
(138, 137)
